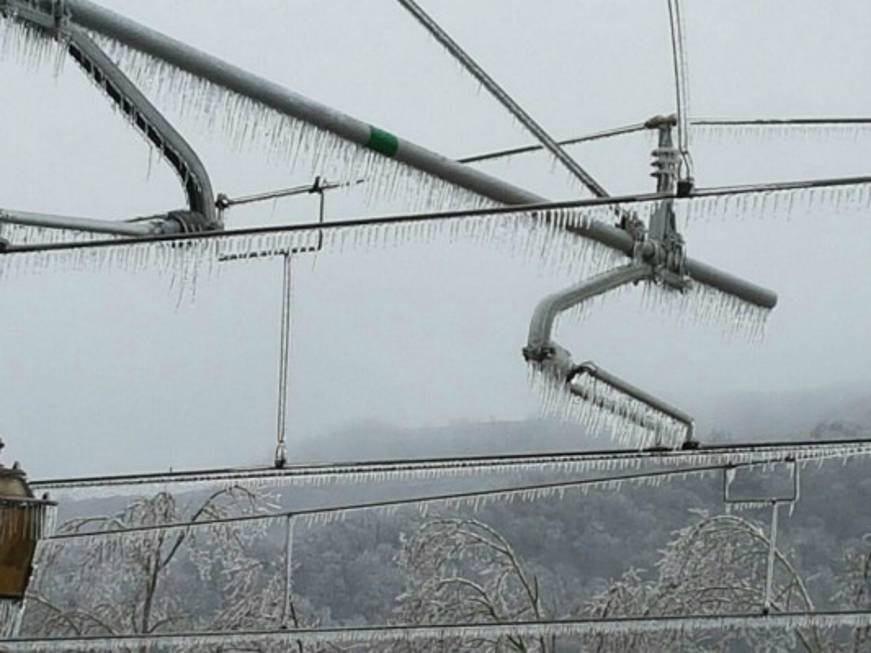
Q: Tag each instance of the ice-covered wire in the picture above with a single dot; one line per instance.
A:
(538, 488)
(464, 214)
(681, 84)
(524, 149)
(530, 491)
(697, 122)
(598, 460)
(454, 49)
(777, 122)
(546, 628)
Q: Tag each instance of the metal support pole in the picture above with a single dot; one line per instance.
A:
(181, 55)
(281, 434)
(772, 548)
(502, 96)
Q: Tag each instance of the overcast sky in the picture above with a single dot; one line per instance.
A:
(99, 371)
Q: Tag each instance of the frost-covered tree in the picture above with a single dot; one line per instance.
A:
(717, 565)
(228, 576)
(463, 571)
(855, 593)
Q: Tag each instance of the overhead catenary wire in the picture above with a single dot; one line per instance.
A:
(503, 97)
(388, 503)
(523, 149)
(697, 122)
(599, 459)
(639, 625)
(471, 214)
(533, 489)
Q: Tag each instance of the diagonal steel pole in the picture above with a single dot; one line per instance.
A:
(502, 96)
(205, 66)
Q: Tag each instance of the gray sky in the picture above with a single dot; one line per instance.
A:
(99, 371)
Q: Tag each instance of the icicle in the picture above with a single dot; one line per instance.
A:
(28, 44)
(601, 408)
(704, 305)
(245, 123)
(821, 202)
(409, 470)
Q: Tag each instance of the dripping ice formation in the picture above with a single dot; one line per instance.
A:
(603, 410)
(114, 541)
(847, 200)
(381, 472)
(247, 123)
(28, 45)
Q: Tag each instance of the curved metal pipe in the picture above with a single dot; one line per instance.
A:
(594, 371)
(541, 349)
(545, 314)
(145, 117)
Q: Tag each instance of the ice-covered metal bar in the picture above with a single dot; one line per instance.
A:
(142, 115)
(502, 96)
(49, 221)
(539, 345)
(161, 224)
(555, 361)
(198, 63)
(591, 369)
(145, 117)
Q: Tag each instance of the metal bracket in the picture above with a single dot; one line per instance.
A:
(659, 256)
(556, 361)
(52, 16)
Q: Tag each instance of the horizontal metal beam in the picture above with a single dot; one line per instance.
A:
(90, 225)
(210, 68)
(591, 369)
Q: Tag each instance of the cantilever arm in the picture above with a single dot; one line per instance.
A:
(548, 308)
(591, 369)
(541, 349)
(201, 213)
(93, 17)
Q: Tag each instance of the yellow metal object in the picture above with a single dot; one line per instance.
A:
(23, 520)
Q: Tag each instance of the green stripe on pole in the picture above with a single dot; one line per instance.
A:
(382, 141)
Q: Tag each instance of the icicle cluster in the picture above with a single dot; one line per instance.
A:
(373, 473)
(28, 45)
(813, 202)
(706, 306)
(543, 239)
(603, 410)
(477, 501)
(247, 123)
(18, 234)
(780, 133)
(378, 634)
